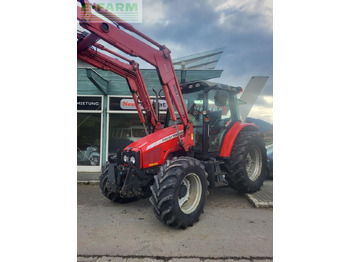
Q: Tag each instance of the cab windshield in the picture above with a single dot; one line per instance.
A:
(193, 102)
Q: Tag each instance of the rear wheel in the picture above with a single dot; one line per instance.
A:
(108, 193)
(246, 166)
(179, 192)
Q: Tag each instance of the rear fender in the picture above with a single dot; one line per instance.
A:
(232, 134)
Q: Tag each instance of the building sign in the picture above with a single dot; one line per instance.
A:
(128, 104)
(91, 103)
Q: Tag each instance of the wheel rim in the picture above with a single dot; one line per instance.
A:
(190, 199)
(254, 163)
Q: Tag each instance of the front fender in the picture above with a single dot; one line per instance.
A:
(232, 134)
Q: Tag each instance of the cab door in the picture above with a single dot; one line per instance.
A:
(219, 107)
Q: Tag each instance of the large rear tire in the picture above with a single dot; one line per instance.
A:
(246, 166)
(106, 189)
(179, 192)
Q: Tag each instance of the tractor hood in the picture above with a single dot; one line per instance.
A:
(155, 147)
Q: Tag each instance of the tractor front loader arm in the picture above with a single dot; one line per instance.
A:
(160, 58)
(130, 72)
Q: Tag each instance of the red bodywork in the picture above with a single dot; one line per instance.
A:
(231, 136)
(156, 147)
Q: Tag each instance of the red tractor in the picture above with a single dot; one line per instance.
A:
(202, 141)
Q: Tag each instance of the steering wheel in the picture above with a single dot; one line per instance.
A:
(195, 112)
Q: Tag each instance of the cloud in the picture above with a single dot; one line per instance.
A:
(154, 13)
(258, 13)
(268, 100)
(263, 108)
(263, 113)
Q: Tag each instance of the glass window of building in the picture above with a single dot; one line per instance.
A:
(89, 124)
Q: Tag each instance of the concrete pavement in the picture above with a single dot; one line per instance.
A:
(133, 259)
(230, 229)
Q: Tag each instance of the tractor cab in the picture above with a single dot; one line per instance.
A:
(213, 109)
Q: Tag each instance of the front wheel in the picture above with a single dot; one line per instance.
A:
(107, 190)
(179, 192)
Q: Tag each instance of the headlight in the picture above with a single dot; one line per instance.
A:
(125, 158)
(131, 158)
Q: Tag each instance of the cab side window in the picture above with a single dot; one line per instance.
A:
(219, 117)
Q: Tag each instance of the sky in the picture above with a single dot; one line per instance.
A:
(242, 27)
